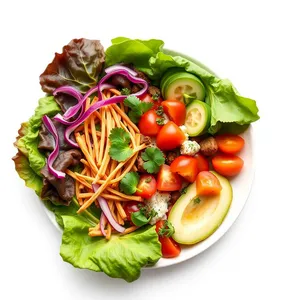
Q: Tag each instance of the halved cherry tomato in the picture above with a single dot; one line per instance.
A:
(227, 164)
(146, 187)
(148, 124)
(149, 98)
(130, 207)
(229, 143)
(207, 184)
(169, 248)
(186, 166)
(175, 110)
(202, 162)
(170, 137)
(168, 181)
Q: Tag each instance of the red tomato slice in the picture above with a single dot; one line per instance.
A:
(146, 187)
(169, 247)
(175, 110)
(203, 164)
(148, 98)
(148, 125)
(170, 137)
(185, 166)
(168, 181)
(229, 143)
(207, 184)
(227, 164)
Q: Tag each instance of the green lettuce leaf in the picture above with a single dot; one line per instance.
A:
(227, 106)
(137, 52)
(120, 257)
(27, 141)
(32, 180)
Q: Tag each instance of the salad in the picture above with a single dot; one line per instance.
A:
(133, 150)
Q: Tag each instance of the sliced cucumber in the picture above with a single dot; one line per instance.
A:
(180, 83)
(197, 118)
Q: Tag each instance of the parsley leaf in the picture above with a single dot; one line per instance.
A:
(167, 230)
(119, 140)
(153, 158)
(129, 183)
(137, 107)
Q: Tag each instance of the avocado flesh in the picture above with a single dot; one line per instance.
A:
(193, 222)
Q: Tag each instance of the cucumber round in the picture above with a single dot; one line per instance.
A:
(167, 76)
(180, 83)
(197, 119)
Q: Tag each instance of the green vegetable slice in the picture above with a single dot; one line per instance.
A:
(197, 119)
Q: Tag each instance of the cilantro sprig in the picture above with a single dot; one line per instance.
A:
(119, 144)
(142, 216)
(129, 183)
(153, 158)
(138, 107)
(167, 230)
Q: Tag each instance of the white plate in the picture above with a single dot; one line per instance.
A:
(241, 186)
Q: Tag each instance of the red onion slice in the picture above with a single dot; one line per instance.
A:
(99, 104)
(53, 155)
(118, 68)
(106, 211)
(77, 107)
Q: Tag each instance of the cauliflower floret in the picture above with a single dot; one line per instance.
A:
(159, 203)
(189, 148)
(184, 130)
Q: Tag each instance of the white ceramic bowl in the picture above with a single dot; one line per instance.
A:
(241, 186)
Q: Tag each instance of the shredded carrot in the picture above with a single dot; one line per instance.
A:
(93, 140)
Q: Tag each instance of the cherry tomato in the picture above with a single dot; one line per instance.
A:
(130, 207)
(202, 162)
(186, 166)
(148, 125)
(227, 164)
(149, 98)
(168, 181)
(229, 143)
(175, 110)
(169, 247)
(146, 187)
(207, 184)
(170, 137)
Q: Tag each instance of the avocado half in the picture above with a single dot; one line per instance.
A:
(195, 220)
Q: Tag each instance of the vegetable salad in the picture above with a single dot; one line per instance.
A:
(122, 138)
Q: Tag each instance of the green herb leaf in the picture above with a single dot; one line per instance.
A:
(160, 111)
(153, 158)
(183, 191)
(119, 149)
(155, 97)
(167, 230)
(197, 200)
(137, 107)
(125, 91)
(129, 183)
(160, 121)
(138, 218)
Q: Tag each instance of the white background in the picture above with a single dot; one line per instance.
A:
(253, 43)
